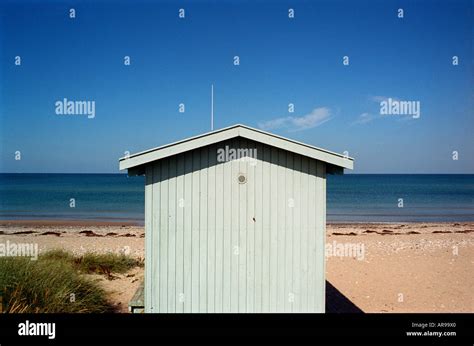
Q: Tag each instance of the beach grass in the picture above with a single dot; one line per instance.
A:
(92, 263)
(56, 282)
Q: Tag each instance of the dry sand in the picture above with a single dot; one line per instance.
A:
(409, 267)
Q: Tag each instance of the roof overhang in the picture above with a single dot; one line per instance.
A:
(136, 163)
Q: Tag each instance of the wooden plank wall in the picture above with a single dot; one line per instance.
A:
(216, 245)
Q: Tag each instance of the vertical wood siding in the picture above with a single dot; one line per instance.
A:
(216, 245)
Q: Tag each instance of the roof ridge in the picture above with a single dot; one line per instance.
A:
(236, 130)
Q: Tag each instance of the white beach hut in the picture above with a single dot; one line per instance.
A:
(235, 222)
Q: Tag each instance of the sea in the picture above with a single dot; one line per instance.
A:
(350, 197)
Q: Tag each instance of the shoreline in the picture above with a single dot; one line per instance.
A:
(98, 223)
(66, 223)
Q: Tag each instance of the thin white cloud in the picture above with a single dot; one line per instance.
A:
(379, 99)
(364, 118)
(317, 117)
(367, 117)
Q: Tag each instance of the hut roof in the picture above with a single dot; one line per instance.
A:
(135, 163)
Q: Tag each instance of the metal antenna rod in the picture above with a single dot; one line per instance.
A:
(212, 107)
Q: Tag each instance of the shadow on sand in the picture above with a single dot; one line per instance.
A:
(336, 302)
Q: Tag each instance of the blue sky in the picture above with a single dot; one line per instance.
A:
(282, 61)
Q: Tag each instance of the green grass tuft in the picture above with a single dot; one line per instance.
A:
(106, 263)
(55, 282)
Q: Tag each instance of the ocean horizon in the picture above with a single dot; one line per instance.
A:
(350, 198)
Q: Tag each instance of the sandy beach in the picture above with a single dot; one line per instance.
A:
(399, 267)
(416, 267)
